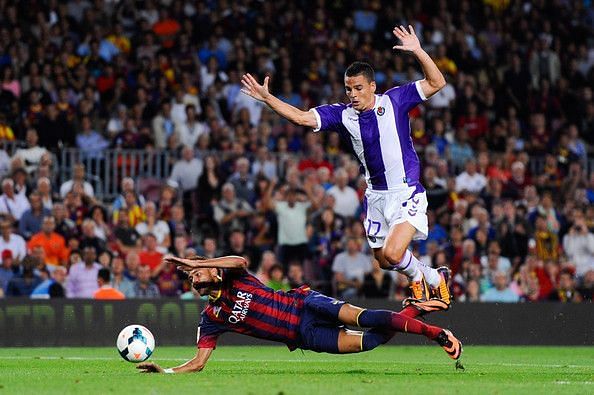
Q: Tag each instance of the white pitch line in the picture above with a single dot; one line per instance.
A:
(52, 358)
(573, 382)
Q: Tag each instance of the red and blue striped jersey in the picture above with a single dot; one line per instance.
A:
(245, 305)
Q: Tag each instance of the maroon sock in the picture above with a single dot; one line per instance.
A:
(402, 323)
(410, 312)
(390, 321)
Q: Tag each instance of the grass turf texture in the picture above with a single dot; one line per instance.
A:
(274, 370)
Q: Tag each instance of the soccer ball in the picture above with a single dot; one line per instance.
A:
(135, 343)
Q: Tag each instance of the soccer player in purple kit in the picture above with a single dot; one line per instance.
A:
(377, 128)
(301, 318)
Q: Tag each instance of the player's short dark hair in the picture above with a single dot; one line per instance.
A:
(104, 275)
(360, 68)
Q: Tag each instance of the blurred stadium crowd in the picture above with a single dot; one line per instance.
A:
(506, 146)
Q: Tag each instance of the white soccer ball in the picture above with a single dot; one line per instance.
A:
(135, 343)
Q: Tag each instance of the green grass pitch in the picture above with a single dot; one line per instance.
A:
(274, 370)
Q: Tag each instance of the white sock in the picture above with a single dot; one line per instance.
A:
(414, 269)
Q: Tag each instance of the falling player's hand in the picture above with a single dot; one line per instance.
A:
(410, 41)
(149, 367)
(181, 263)
(252, 88)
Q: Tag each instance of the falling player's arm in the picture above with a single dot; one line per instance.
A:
(195, 364)
(224, 262)
(252, 88)
(434, 80)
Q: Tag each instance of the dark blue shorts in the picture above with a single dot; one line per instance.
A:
(319, 327)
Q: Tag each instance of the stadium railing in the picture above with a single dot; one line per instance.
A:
(106, 172)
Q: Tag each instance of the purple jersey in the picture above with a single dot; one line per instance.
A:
(245, 305)
(380, 137)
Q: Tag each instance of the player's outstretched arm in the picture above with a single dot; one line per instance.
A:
(224, 262)
(195, 364)
(434, 79)
(252, 88)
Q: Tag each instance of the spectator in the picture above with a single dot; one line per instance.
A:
(90, 142)
(132, 211)
(89, 237)
(31, 156)
(54, 245)
(78, 177)
(127, 185)
(65, 226)
(578, 244)
(102, 229)
(31, 219)
(155, 226)
(149, 256)
(82, 277)
(276, 279)
(377, 283)
(238, 246)
(163, 125)
(470, 180)
(143, 287)
(291, 213)
(23, 283)
(347, 200)
(231, 212)
(566, 292)
(501, 292)
(44, 188)
(127, 238)
(349, 268)
(12, 204)
(132, 265)
(106, 291)
(12, 242)
(53, 286)
(7, 270)
(119, 280)
(186, 172)
(168, 281)
(295, 275)
(243, 181)
(190, 130)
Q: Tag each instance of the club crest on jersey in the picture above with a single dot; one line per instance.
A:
(381, 111)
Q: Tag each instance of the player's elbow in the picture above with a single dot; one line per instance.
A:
(439, 83)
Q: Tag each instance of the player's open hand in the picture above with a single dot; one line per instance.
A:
(181, 263)
(252, 88)
(410, 41)
(149, 367)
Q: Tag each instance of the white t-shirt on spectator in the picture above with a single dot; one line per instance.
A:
(67, 187)
(186, 173)
(160, 230)
(580, 251)
(352, 267)
(443, 97)
(292, 222)
(15, 206)
(16, 244)
(347, 200)
(31, 156)
(474, 183)
(253, 106)
(189, 134)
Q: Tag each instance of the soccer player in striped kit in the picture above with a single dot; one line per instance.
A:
(301, 318)
(378, 130)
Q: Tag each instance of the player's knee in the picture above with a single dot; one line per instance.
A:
(394, 253)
